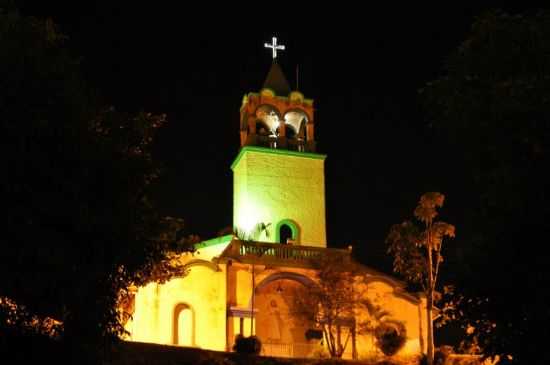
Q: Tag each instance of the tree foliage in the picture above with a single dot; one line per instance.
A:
(417, 252)
(330, 304)
(492, 108)
(411, 245)
(337, 303)
(80, 224)
(254, 234)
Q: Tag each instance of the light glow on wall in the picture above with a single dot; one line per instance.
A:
(272, 185)
(201, 322)
(248, 217)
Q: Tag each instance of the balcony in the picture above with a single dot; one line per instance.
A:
(265, 253)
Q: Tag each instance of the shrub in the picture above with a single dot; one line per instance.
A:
(247, 345)
(390, 337)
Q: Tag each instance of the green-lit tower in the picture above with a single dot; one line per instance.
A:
(278, 178)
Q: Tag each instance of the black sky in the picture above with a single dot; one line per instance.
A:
(363, 67)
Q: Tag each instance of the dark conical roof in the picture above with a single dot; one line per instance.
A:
(276, 81)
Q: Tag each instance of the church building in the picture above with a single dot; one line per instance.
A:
(243, 284)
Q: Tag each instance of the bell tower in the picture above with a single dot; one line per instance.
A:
(278, 178)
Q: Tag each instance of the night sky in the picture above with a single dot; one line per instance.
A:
(363, 68)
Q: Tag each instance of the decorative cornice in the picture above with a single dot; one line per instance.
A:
(275, 151)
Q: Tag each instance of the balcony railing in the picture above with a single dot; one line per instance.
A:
(297, 350)
(300, 350)
(273, 253)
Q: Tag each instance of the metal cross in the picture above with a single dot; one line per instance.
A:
(274, 47)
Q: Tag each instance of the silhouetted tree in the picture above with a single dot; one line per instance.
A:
(79, 223)
(491, 108)
(417, 252)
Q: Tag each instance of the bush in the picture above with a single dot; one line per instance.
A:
(247, 345)
(390, 337)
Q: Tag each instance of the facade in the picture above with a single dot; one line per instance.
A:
(245, 285)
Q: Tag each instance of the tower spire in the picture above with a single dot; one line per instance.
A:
(277, 81)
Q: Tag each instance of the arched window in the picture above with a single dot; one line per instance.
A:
(285, 233)
(287, 230)
(184, 325)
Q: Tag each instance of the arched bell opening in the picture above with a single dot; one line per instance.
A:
(296, 119)
(270, 117)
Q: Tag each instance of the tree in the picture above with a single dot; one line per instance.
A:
(491, 109)
(77, 194)
(417, 252)
(335, 302)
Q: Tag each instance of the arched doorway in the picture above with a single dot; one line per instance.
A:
(184, 325)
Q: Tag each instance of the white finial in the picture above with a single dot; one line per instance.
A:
(274, 47)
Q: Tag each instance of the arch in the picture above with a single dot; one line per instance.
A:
(268, 115)
(180, 310)
(283, 275)
(198, 262)
(273, 311)
(296, 117)
(293, 227)
(300, 278)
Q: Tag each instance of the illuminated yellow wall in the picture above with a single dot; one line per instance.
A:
(402, 307)
(240, 293)
(209, 293)
(273, 185)
(203, 291)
